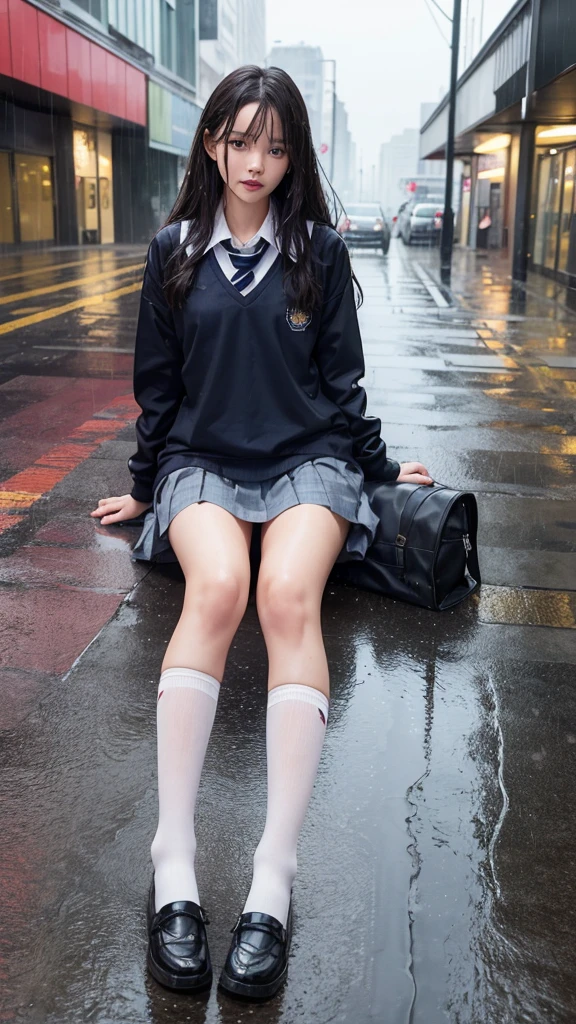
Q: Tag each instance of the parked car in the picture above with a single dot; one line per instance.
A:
(397, 220)
(421, 222)
(365, 226)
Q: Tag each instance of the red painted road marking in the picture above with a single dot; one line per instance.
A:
(50, 411)
(6, 521)
(23, 489)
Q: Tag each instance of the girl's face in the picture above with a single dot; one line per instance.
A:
(263, 161)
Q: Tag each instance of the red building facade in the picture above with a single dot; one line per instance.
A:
(68, 107)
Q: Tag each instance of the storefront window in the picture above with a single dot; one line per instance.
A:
(93, 174)
(548, 212)
(105, 187)
(35, 201)
(6, 211)
(567, 215)
(86, 185)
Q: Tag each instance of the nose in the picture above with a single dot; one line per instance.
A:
(255, 161)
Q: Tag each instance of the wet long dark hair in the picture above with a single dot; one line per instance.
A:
(298, 197)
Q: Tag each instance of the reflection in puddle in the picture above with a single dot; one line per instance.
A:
(524, 607)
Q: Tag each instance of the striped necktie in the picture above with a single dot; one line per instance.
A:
(244, 262)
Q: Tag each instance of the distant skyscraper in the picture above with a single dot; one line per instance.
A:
(305, 65)
(398, 159)
(343, 168)
(252, 32)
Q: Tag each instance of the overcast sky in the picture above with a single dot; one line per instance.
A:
(390, 54)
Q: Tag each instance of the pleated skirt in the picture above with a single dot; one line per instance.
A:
(333, 483)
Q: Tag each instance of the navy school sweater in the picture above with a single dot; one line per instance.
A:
(247, 385)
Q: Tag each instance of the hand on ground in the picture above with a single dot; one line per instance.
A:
(115, 510)
(413, 473)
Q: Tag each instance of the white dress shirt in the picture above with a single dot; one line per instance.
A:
(222, 232)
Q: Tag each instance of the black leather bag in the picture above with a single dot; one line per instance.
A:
(424, 551)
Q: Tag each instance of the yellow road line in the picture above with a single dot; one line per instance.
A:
(60, 266)
(73, 283)
(17, 499)
(47, 314)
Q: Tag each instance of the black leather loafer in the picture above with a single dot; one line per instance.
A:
(178, 955)
(257, 962)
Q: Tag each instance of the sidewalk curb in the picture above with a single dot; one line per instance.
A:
(441, 295)
(455, 301)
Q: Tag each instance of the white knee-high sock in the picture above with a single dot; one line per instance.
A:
(185, 713)
(295, 727)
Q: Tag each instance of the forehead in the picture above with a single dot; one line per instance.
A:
(272, 124)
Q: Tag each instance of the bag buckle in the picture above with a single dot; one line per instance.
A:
(467, 544)
(400, 540)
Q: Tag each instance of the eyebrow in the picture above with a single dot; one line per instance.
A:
(244, 134)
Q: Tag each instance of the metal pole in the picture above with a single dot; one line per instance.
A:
(447, 236)
(526, 153)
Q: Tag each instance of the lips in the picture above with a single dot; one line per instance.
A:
(252, 184)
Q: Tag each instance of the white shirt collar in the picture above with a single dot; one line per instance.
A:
(221, 230)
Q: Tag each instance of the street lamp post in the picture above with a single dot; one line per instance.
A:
(447, 236)
(330, 60)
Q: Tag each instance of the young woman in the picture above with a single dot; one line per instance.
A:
(247, 367)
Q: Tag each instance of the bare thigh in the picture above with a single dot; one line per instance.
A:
(212, 547)
(299, 548)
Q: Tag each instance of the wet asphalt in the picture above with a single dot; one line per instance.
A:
(436, 864)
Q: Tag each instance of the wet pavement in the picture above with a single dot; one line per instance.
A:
(436, 862)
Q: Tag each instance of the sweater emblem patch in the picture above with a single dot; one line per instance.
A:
(297, 320)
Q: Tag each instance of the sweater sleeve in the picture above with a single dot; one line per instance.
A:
(158, 386)
(340, 360)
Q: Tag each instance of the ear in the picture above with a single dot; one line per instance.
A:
(209, 144)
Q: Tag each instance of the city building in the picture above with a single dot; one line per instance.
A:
(398, 164)
(97, 115)
(315, 76)
(305, 65)
(516, 136)
(252, 32)
(344, 176)
(401, 172)
(232, 33)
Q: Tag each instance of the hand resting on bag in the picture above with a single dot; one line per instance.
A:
(413, 473)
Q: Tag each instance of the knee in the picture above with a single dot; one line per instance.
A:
(285, 605)
(219, 601)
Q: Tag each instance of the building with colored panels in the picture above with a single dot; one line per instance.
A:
(98, 110)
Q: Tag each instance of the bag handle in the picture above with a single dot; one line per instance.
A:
(406, 518)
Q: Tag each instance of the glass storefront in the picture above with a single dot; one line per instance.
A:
(486, 224)
(26, 198)
(548, 216)
(6, 211)
(104, 140)
(35, 197)
(553, 240)
(93, 176)
(567, 216)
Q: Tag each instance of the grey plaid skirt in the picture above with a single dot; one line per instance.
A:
(336, 484)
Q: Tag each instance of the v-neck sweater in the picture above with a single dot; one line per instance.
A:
(246, 385)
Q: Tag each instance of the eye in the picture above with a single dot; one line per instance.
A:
(234, 142)
(277, 152)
